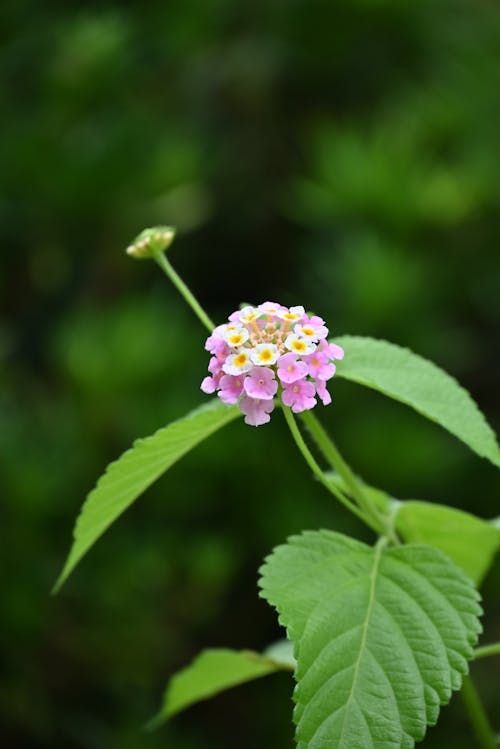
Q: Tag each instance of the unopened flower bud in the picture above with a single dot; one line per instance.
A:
(150, 242)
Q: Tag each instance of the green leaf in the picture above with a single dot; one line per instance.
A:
(469, 541)
(382, 637)
(214, 671)
(406, 377)
(282, 652)
(129, 476)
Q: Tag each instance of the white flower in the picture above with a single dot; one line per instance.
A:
(249, 314)
(299, 345)
(237, 364)
(235, 335)
(264, 354)
(294, 314)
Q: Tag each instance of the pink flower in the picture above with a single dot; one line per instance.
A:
(266, 347)
(214, 365)
(319, 365)
(315, 320)
(260, 383)
(290, 369)
(216, 345)
(323, 393)
(231, 388)
(299, 395)
(208, 385)
(312, 329)
(270, 308)
(256, 411)
(332, 350)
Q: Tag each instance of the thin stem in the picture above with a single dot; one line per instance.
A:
(333, 456)
(309, 458)
(183, 289)
(477, 715)
(485, 650)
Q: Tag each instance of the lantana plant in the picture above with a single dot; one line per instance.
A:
(377, 636)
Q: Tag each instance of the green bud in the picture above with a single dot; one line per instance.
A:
(151, 242)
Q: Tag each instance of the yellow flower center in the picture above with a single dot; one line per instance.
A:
(265, 355)
(250, 317)
(241, 360)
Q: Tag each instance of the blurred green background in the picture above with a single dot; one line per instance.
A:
(342, 155)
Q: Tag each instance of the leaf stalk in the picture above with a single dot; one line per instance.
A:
(477, 715)
(313, 465)
(337, 462)
(484, 651)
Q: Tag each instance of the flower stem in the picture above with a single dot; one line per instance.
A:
(477, 715)
(333, 456)
(485, 650)
(311, 462)
(183, 290)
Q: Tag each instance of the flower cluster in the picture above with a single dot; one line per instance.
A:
(269, 351)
